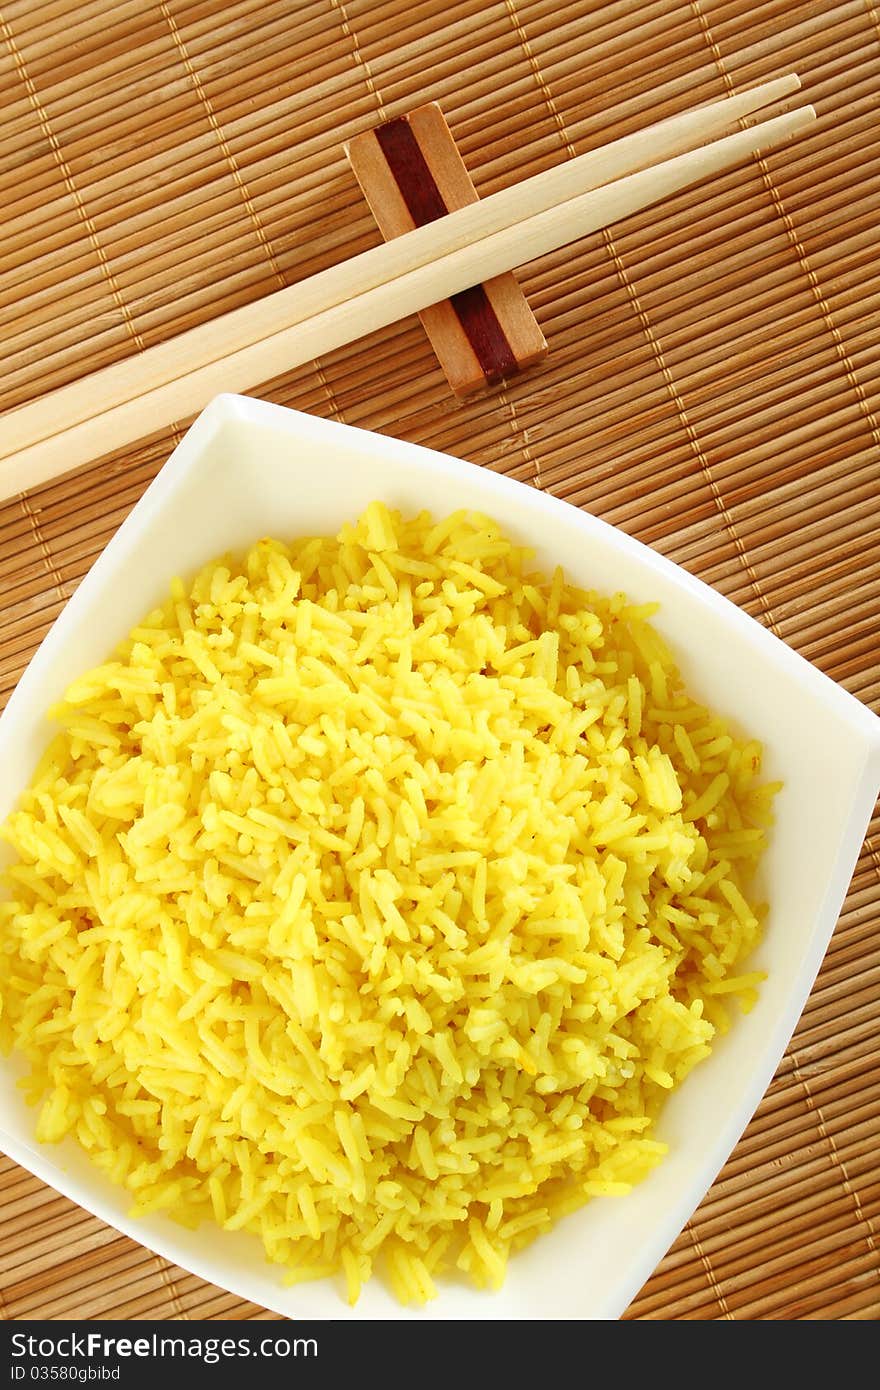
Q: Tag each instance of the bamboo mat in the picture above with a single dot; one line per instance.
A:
(711, 387)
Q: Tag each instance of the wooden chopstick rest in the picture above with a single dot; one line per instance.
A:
(410, 172)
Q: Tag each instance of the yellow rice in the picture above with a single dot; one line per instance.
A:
(373, 897)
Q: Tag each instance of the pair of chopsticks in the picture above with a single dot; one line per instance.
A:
(119, 404)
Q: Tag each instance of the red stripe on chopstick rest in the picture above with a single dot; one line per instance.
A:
(425, 204)
(411, 173)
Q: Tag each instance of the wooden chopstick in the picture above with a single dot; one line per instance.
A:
(121, 403)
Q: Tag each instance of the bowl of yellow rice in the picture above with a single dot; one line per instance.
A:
(414, 885)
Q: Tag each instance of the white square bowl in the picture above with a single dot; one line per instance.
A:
(248, 469)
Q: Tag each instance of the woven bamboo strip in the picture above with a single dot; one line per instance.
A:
(804, 1212)
(72, 1241)
(17, 1186)
(105, 1257)
(776, 1148)
(17, 1232)
(782, 1110)
(859, 1305)
(773, 1294)
(825, 1053)
(112, 1283)
(854, 1139)
(827, 1237)
(736, 1187)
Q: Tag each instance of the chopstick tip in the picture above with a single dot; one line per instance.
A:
(778, 88)
(766, 93)
(786, 127)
